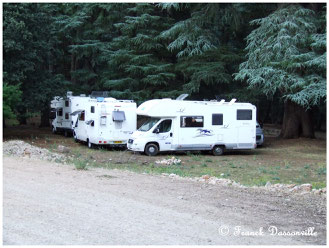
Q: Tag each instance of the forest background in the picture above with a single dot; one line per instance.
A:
(270, 54)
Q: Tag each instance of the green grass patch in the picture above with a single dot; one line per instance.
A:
(256, 167)
(81, 164)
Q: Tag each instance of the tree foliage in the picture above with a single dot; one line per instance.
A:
(287, 54)
(141, 51)
(11, 97)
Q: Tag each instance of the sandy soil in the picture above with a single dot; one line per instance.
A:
(52, 204)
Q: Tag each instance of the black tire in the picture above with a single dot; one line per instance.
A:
(218, 151)
(90, 145)
(151, 149)
(66, 133)
(75, 137)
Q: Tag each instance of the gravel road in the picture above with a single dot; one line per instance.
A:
(46, 203)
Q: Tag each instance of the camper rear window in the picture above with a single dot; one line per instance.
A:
(67, 103)
(60, 112)
(82, 116)
(92, 109)
(244, 114)
(191, 121)
(66, 116)
(118, 116)
(217, 119)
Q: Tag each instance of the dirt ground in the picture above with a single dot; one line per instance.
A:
(54, 204)
(295, 161)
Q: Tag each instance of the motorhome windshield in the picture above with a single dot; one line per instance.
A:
(148, 124)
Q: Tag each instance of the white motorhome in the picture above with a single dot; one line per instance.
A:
(105, 121)
(177, 125)
(61, 110)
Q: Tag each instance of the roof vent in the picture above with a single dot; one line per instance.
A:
(182, 97)
(69, 93)
(232, 101)
(83, 95)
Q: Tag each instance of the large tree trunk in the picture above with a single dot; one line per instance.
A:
(3, 122)
(45, 118)
(297, 122)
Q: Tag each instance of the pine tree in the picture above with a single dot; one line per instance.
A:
(140, 66)
(286, 54)
(29, 51)
(207, 40)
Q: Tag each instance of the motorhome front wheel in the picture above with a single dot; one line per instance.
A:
(151, 149)
(218, 150)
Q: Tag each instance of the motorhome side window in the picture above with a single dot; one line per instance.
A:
(217, 119)
(67, 103)
(244, 114)
(164, 126)
(60, 112)
(82, 116)
(191, 121)
(66, 116)
(92, 109)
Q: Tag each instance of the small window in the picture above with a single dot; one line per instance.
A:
(191, 121)
(244, 114)
(66, 116)
(164, 126)
(118, 115)
(67, 103)
(217, 119)
(92, 109)
(103, 120)
(90, 122)
(60, 112)
(82, 116)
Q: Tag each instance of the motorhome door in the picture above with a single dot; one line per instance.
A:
(81, 131)
(59, 116)
(164, 134)
(245, 127)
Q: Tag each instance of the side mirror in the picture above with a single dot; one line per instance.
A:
(157, 130)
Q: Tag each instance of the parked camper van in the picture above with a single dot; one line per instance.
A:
(105, 121)
(61, 110)
(178, 125)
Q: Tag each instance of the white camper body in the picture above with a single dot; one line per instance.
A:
(176, 125)
(106, 121)
(61, 112)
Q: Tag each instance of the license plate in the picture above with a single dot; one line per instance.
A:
(117, 142)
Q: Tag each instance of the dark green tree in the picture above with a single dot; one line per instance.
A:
(208, 43)
(287, 55)
(30, 56)
(140, 65)
(11, 97)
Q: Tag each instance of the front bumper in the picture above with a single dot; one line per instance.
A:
(133, 146)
